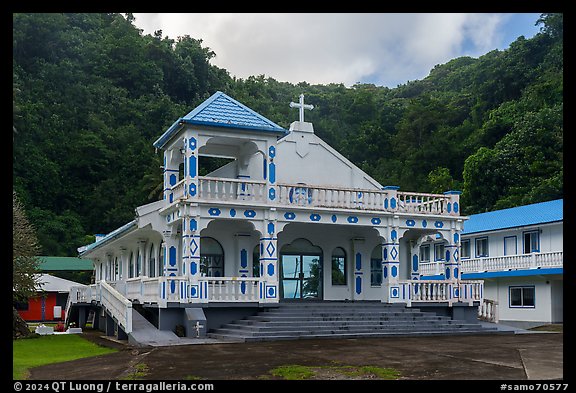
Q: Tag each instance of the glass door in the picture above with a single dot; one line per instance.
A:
(301, 276)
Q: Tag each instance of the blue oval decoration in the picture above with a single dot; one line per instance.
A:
(456, 238)
(193, 268)
(249, 213)
(410, 223)
(376, 221)
(214, 211)
(455, 207)
(394, 234)
(447, 273)
(358, 285)
(193, 291)
(385, 271)
(447, 255)
(394, 292)
(393, 203)
(448, 207)
(415, 263)
(424, 223)
(315, 217)
(358, 261)
(289, 215)
(192, 189)
(394, 271)
(438, 224)
(352, 219)
(270, 269)
(272, 194)
(334, 218)
(272, 151)
(385, 203)
(455, 272)
(192, 143)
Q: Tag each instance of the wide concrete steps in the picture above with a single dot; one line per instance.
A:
(342, 320)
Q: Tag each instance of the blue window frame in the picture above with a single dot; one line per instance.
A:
(481, 247)
(510, 245)
(522, 296)
(439, 252)
(531, 241)
(465, 249)
(425, 253)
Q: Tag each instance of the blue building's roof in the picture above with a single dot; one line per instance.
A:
(116, 232)
(221, 110)
(537, 213)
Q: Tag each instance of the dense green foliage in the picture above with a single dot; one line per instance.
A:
(91, 93)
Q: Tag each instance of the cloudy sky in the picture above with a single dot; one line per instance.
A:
(384, 49)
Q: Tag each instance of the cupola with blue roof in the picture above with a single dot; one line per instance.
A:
(219, 127)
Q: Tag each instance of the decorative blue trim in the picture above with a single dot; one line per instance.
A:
(289, 215)
(249, 213)
(334, 218)
(272, 173)
(391, 187)
(410, 223)
(232, 212)
(214, 211)
(315, 217)
(243, 258)
(376, 221)
(424, 223)
(352, 219)
(453, 192)
(358, 261)
(438, 224)
(272, 152)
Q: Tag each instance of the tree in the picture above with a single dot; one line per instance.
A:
(24, 262)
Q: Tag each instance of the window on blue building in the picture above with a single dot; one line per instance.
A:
(376, 266)
(531, 242)
(465, 248)
(510, 245)
(482, 247)
(338, 266)
(522, 296)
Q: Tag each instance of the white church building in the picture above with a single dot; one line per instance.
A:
(287, 220)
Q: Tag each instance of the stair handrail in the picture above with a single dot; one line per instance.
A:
(119, 306)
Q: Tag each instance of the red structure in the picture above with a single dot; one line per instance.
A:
(50, 303)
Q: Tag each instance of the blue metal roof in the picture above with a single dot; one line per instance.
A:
(221, 110)
(534, 214)
(110, 236)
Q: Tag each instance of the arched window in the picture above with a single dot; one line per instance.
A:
(376, 266)
(138, 263)
(151, 262)
(131, 270)
(211, 258)
(161, 259)
(339, 266)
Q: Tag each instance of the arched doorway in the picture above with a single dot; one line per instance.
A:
(300, 271)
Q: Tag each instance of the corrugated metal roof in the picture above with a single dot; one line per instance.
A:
(221, 110)
(537, 213)
(50, 283)
(64, 263)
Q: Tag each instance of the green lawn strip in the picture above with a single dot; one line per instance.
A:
(34, 352)
(298, 372)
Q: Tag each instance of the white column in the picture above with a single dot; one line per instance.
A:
(142, 253)
(124, 263)
(391, 266)
(269, 291)
(358, 261)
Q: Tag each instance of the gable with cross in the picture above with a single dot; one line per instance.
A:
(301, 106)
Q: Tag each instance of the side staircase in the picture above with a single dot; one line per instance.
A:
(343, 320)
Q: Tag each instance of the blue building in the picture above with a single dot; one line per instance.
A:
(518, 253)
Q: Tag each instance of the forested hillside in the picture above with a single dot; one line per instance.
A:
(91, 93)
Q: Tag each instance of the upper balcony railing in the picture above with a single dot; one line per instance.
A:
(502, 263)
(213, 189)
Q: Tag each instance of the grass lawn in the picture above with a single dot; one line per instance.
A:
(32, 352)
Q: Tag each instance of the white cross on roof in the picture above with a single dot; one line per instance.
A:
(301, 106)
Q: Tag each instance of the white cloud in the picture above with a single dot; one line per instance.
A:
(385, 49)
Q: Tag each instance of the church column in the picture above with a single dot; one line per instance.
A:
(169, 290)
(190, 149)
(391, 266)
(452, 268)
(141, 265)
(357, 262)
(414, 260)
(124, 264)
(268, 292)
(191, 259)
(271, 175)
(171, 174)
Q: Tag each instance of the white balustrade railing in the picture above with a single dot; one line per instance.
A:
(498, 264)
(246, 190)
(150, 290)
(232, 289)
(419, 203)
(222, 189)
(430, 290)
(514, 262)
(133, 288)
(488, 311)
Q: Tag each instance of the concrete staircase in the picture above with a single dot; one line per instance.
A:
(307, 320)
